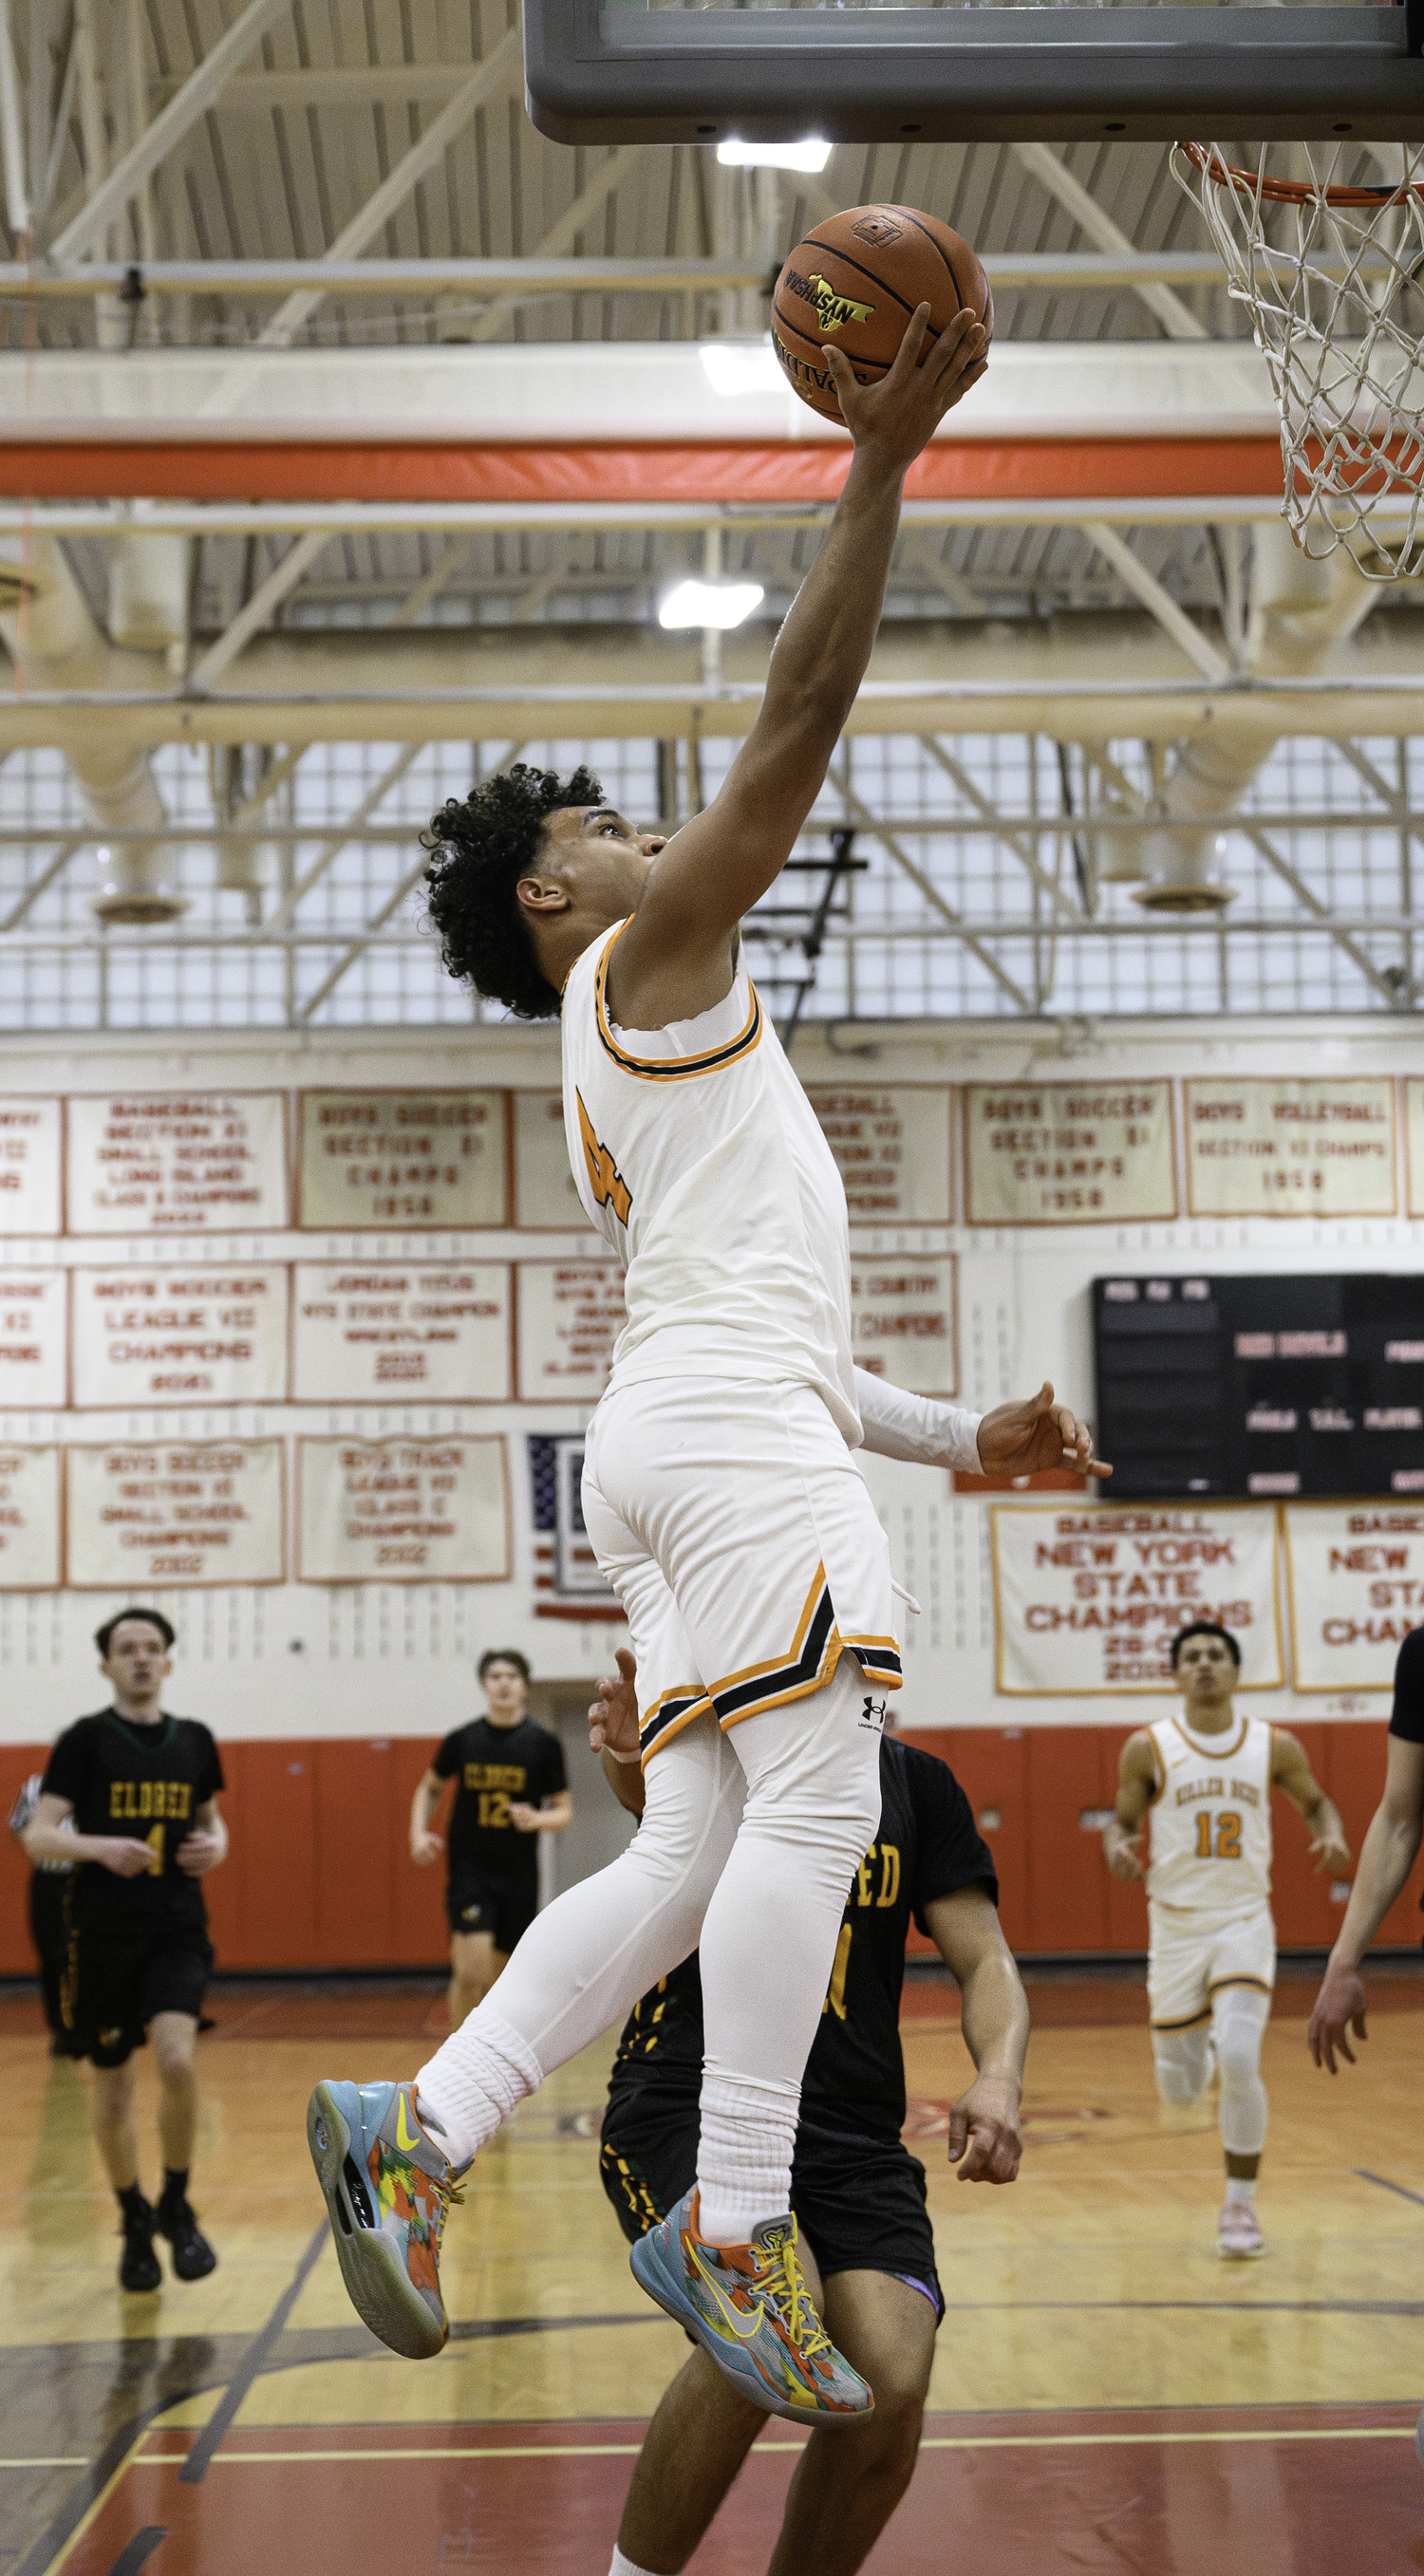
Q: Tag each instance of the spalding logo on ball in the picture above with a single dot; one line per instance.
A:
(855, 281)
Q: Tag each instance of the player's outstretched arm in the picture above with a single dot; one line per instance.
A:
(674, 958)
(985, 2139)
(1136, 1789)
(1022, 1438)
(1387, 1856)
(1292, 1775)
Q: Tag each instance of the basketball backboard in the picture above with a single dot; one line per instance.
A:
(698, 71)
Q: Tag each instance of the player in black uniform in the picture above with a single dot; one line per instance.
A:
(858, 2194)
(140, 1788)
(511, 1787)
(1387, 1856)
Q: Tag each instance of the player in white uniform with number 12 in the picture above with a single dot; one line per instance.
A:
(1205, 1778)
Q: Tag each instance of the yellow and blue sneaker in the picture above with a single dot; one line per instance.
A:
(749, 2307)
(388, 2190)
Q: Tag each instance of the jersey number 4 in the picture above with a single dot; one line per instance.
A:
(609, 1187)
(1228, 1837)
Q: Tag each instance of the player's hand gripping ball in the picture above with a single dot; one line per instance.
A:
(855, 281)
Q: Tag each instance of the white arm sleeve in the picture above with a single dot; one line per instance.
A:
(915, 1427)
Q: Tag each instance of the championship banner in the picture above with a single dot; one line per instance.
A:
(143, 1512)
(891, 1145)
(29, 1520)
(1262, 1146)
(364, 1332)
(570, 1315)
(33, 1368)
(400, 1158)
(403, 1511)
(1068, 1153)
(1355, 1583)
(202, 1336)
(1087, 1601)
(176, 1162)
(903, 1322)
(545, 1199)
(30, 1162)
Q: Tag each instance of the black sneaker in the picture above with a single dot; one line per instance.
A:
(138, 2264)
(193, 2256)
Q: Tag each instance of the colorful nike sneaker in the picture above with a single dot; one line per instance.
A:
(388, 2190)
(749, 2307)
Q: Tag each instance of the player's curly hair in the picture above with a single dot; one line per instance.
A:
(481, 846)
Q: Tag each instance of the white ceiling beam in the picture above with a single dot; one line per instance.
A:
(1145, 586)
(265, 600)
(417, 518)
(1176, 318)
(12, 131)
(360, 85)
(199, 92)
(499, 71)
(1320, 914)
(560, 236)
(1077, 271)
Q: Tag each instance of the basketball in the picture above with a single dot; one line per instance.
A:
(856, 280)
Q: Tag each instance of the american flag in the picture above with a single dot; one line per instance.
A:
(567, 1582)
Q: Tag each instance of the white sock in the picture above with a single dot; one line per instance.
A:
(1236, 2192)
(474, 2082)
(744, 2154)
(624, 2566)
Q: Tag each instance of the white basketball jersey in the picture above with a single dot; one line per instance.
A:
(698, 1157)
(1211, 1823)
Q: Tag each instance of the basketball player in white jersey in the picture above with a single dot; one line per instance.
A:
(1205, 1778)
(720, 1491)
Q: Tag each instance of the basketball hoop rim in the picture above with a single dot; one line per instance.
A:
(1290, 192)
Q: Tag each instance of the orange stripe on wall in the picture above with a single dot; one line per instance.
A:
(320, 1874)
(1032, 469)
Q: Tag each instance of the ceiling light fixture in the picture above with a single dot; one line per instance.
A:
(810, 154)
(710, 603)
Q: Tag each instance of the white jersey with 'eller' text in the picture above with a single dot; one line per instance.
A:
(698, 1157)
(1211, 1821)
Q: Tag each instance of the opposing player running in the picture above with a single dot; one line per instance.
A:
(864, 2231)
(720, 1492)
(1206, 1776)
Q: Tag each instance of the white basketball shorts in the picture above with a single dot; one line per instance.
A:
(738, 1532)
(1195, 1952)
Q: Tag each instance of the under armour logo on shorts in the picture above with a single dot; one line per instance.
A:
(872, 1715)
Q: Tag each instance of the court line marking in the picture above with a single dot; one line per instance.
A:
(200, 2457)
(932, 2442)
(44, 2464)
(1362, 2174)
(128, 2459)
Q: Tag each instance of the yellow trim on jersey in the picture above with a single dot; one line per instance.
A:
(1212, 1752)
(689, 1700)
(1261, 1984)
(1192, 2021)
(677, 1068)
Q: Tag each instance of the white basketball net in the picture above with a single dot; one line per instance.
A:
(1333, 276)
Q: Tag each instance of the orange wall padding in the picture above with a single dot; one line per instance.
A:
(320, 1876)
(1025, 469)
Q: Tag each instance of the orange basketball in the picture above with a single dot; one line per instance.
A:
(855, 281)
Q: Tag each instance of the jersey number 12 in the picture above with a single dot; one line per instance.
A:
(1228, 1837)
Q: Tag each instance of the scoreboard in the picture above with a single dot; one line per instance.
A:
(1260, 1386)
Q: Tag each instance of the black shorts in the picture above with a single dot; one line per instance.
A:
(859, 2202)
(477, 1902)
(117, 1976)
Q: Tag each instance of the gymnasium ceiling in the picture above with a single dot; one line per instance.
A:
(283, 165)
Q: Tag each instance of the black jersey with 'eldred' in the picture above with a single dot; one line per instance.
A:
(928, 1846)
(144, 1784)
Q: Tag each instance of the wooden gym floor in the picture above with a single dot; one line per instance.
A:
(1107, 2395)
